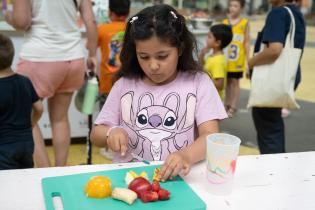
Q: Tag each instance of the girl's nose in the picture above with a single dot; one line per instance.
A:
(154, 65)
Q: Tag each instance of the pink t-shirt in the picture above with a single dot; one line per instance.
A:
(161, 119)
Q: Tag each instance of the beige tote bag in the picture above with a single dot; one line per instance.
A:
(272, 85)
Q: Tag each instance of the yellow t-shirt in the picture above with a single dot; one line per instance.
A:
(236, 49)
(216, 67)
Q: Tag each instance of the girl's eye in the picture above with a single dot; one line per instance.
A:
(162, 57)
(143, 58)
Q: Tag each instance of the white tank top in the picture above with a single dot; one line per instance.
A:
(54, 34)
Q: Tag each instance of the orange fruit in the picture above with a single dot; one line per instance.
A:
(98, 187)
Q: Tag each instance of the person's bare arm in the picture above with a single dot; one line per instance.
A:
(21, 16)
(91, 31)
(247, 47)
(37, 111)
(269, 54)
(182, 160)
(197, 151)
(202, 54)
(117, 139)
(98, 135)
(219, 83)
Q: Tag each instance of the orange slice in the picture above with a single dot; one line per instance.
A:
(98, 187)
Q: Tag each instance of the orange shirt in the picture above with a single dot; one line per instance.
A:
(105, 33)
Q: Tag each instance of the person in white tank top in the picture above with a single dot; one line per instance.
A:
(53, 58)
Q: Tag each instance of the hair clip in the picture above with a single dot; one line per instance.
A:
(173, 14)
(133, 19)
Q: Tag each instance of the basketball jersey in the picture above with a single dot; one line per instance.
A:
(236, 49)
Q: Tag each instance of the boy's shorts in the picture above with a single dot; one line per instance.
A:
(50, 78)
(17, 155)
(234, 75)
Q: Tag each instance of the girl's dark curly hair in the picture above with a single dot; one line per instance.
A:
(168, 25)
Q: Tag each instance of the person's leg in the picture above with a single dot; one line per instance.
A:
(270, 130)
(7, 153)
(228, 94)
(26, 152)
(58, 107)
(72, 78)
(18, 154)
(40, 154)
(47, 77)
(234, 96)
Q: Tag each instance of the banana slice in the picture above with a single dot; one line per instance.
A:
(131, 175)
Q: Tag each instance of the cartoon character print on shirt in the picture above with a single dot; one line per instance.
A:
(159, 131)
(115, 46)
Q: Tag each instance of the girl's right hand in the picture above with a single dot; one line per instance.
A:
(117, 140)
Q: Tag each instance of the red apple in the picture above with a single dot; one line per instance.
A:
(139, 185)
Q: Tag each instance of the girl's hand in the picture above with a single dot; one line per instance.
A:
(117, 140)
(174, 164)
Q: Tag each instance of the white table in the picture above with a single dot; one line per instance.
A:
(263, 182)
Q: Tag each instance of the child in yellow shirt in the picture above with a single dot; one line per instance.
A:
(238, 53)
(215, 64)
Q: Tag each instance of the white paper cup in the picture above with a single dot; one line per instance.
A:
(222, 152)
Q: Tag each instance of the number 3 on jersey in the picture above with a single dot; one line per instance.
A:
(233, 52)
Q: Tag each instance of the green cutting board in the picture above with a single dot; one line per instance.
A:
(71, 190)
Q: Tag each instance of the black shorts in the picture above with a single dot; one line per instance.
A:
(17, 155)
(235, 75)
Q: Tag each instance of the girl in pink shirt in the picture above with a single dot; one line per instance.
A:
(163, 106)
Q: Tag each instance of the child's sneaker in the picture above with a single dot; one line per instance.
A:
(231, 112)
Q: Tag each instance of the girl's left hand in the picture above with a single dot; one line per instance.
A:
(174, 164)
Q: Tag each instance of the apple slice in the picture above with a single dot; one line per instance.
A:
(139, 185)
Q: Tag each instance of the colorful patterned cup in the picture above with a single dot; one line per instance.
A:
(222, 152)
